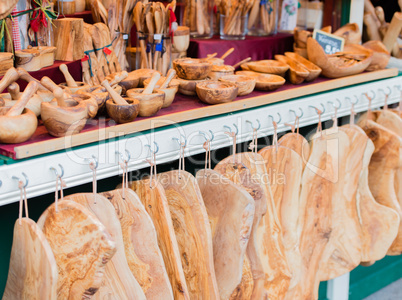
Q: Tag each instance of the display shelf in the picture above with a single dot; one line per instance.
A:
(75, 160)
(183, 109)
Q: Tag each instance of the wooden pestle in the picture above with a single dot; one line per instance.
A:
(116, 77)
(59, 95)
(169, 77)
(151, 85)
(393, 31)
(18, 107)
(24, 75)
(51, 86)
(69, 79)
(227, 53)
(242, 62)
(10, 77)
(14, 90)
(115, 96)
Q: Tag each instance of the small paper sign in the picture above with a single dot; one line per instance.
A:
(157, 36)
(329, 42)
(125, 36)
(107, 50)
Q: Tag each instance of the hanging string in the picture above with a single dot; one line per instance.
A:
(181, 158)
(352, 114)
(369, 107)
(125, 182)
(275, 137)
(56, 195)
(152, 163)
(207, 147)
(233, 136)
(319, 126)
(386, 101)
(94, 183)
(297, 122)
(335, 118)
(23, 200)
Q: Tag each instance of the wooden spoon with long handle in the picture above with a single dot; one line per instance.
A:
(227, 53)
(69, 79)
(242, 62)
(169, 77)
(137, 20)
(115, 96)
(151, 85)
(18, 107)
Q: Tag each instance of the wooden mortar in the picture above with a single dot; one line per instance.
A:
(181, 39)
(187, 87)
(220, 71)
(215, 92)
(17, 123)
(244, 84)
(70, 82)
(169, 90)
(192, 68)
(50, 86)
(150, 102)
(119, 109)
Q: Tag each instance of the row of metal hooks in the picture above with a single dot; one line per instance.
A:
(182, 141)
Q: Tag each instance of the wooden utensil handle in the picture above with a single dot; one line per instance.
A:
(48, 83)
(393, 31)
(14, 90)
(17, 109)
(150, 87)
(116, 97)
(241, 62)
(24, 75)
(169, 77)
(10, 77)
(227, 53)
(212, 55)
(69, 79)
(118, 77)
(59, 95)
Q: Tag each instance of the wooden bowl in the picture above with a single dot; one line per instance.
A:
(350, 32)
(333, 66)
(269, 66)
(300, 51)
(192, 68)
(172, 83)
(297, 73)
(381, 55)
(100, 94)
(187, 87)
(264, 82)
(244, 84)
(215, 61)
(150, 104)
(123, 113)
(73, 89)
(314, 71)
(215, 92)
(219, 71)
(136, 78)
(17, 129)
(170, 93)
(245, 67)
(90, 100)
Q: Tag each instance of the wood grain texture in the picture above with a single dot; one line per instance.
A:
(297, 143)
(230, 211)
(140, 244)
(285, 167)
(81, 246)
(343, 251)
(155, 202)
(384, 163)
(193, 233)
(118, 282)
(379, 224)
(69, 39)
(33, 270)
(244, 290)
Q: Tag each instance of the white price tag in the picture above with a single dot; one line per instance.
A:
(157, 36)
(125, 36)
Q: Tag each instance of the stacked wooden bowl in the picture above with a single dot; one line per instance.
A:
(191, 71)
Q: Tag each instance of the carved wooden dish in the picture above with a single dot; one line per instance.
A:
(339, 64)
(264, 82)
(150, 104)
(314, 71)
(300, 37)
(269, 66)
(216, 61)
(245, 84)
(350, 32)
(17, 129)
(187, 87)
(192, 68)
(215, 92)
(380, 57)
(301, 51)
(123, 113)
(297, 72)
(245, 67)
(220, 71)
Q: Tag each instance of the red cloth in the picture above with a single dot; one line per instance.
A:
(255, 47)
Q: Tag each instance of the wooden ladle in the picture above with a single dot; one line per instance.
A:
(70, 82)
(119, 109)
(17, 123)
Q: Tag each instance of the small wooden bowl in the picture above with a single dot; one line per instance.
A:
(244, 84)
(17, 129)
(297, 72)
(220, 71)
(314, 71)
(269, 66)
(73, 89)
(170, 91)
(150, 104)
(90, 100)
(181, 39)
(136, 78)
(123, 113)
(264, 82)
(187, 87)
(192, 68)
(215, 92)
(215, 61)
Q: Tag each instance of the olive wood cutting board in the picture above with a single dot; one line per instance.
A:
(81, 246)
(141, 244)
(285, 167)
(230, 211)
(118, 282)
(193, 232)
(244, 290)
(297, 143)
(154, 200)
(32, 273)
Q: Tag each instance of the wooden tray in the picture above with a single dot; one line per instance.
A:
(184, 108)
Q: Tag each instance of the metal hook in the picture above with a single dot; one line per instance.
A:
(389, 89)
(251, 124)
(18, 179)
(366, 94)
(397, 86)
(156, 148)
(128, 155)
(339, 102)
(95, 160)
(296, 116)
(316, 109)
(55, 171)
(1, 183)
(350, 100)
(205, 135)
(230, 129)
(280, 118)
(179, 141)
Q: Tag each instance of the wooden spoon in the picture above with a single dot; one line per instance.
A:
(241, 62)
(227, 53)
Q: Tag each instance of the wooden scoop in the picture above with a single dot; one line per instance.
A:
(69, 79)
(227, 53)
(169, 77)
(115, 96)
(150, 87)
(24, 75)
(10, 76)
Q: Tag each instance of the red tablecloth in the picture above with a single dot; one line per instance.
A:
(255, 47)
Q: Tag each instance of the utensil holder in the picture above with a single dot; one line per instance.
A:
(233, 27)
(198, 16)
(263, 18)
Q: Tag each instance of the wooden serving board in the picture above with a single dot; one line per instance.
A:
(297, 143)
(140, 244)
(81, 246)
(184, 108)
(33, 270)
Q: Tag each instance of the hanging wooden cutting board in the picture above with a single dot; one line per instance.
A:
(81, 246)
(379, 224)
(140, 244)
(155, 202)
(230, 211)
(193, 233)
(383, 166)
(343, 251)
(33, 270)
(297, 143)
(244, 290)
(118, 282)
(285, 167)
(315, 193)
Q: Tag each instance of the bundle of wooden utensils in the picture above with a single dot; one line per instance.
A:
(232, 232)
(234, 11)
